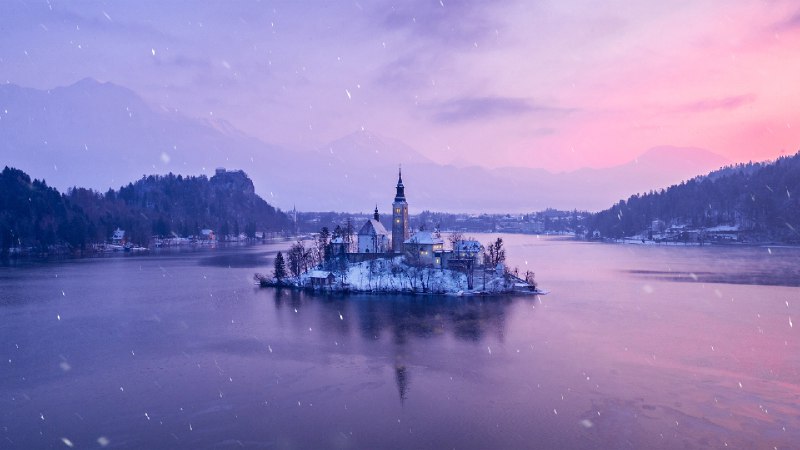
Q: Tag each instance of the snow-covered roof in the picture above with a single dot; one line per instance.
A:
(319, 274)
(119, 234)
(722, 228)
(337, 240)
(424, 238)
(373, 228)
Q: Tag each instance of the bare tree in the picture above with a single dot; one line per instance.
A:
(454, 238)
(348, 231)
(298, 258)
(465, 255)
(495, 253)
(530, 278)
(323, 248)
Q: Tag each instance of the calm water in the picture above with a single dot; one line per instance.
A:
(634, 348)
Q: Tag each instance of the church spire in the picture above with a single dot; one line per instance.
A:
(376, 216)
(401, 195)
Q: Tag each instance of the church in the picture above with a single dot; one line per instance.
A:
(374, 238)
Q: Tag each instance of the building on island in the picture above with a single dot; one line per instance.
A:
(399, 216)
(339, 246)
(373, 237)
(321, 279)
(425, 249)
(466, 253)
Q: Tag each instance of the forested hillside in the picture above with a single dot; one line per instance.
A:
(33, 215)
(761, 198)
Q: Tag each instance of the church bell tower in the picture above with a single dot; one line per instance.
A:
(399, 216)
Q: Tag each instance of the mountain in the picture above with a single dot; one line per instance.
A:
(165, 204)
(762, 199)
(101, 136)
(656, 168)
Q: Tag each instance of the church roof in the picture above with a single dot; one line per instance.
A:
(373, 228)
(424, 238)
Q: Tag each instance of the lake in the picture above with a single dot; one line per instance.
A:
(635, 347)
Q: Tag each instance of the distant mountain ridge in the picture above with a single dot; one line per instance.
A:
(101, 135)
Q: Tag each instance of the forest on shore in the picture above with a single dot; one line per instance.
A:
(760, 199)
(40, 219)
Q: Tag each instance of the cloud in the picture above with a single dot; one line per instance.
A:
(725, 103)
(486, 108)
(410, 71)
(791, 23)
(448, 21)
(184, 62)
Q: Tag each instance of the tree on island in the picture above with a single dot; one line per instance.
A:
(495, 253)
(454, 238)
(299, 258)
(465, 253)
(323, 246)
(280, 268)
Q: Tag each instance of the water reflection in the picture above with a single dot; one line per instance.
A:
(403, 323)
(237, 260)
(403, 317)
(782, 276)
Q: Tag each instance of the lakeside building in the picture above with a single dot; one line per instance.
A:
(118, 238)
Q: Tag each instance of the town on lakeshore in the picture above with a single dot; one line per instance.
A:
(735, 205)
(401, 261)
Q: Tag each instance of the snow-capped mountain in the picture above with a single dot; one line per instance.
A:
(102, 135)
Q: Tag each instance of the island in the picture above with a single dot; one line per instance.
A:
(379, 261)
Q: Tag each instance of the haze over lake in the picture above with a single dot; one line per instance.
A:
(635, 347)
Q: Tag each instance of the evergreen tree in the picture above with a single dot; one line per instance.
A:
(280, 267)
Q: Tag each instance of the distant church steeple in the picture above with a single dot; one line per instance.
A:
(399, 216)
(401, 194)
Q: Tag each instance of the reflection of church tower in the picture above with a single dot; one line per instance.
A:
(401, 378)
(399, 216)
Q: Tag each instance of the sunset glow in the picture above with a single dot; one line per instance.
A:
(558, 85)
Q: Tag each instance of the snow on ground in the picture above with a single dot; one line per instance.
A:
(393, 275)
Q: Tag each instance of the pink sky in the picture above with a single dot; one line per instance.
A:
(555, 84)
